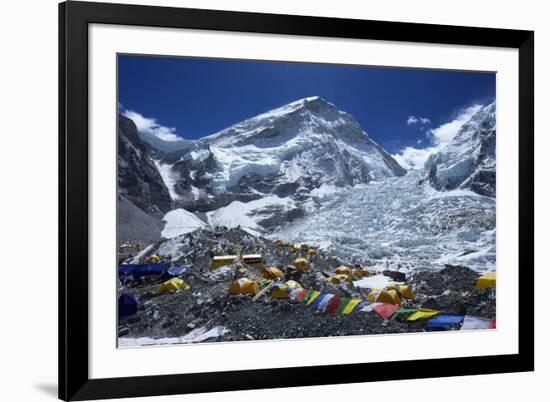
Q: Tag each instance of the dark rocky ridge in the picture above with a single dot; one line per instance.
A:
(138, 179)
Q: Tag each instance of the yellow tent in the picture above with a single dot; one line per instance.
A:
(272, 273)
(422, 313)
(487, 280)
(302, 264)
(404, 291)
(279, 293)
(365, 271)
(342, 270)
(222, 260)
(154, 259)
(244, 286)
(336, 279)
(312, 252)
(172, 284)
(384, 296)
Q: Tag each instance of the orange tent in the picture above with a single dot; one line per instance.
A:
(336, 279)
(342, 270)
(302, 264)
(272, 273)
(384, 296)
(244, 286)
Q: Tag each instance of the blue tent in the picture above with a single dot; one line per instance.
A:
(127, 305)
(444, 322)
(138, 270)
(175, 270)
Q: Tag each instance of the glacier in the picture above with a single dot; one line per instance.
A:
(401, 224)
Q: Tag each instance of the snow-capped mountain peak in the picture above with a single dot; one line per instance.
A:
(285, 156)
(469, 161)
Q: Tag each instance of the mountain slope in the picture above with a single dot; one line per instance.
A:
(138, 177)
(469, 161)
(270, 166)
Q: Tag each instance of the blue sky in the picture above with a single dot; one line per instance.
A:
(397, 107)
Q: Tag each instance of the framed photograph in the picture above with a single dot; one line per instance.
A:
(259, 201)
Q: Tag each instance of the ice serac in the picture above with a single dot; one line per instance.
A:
(468, 162)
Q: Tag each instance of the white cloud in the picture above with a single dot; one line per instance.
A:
(425, 120)
(413, 120)
(149, 125)
(446, 132)
(415, 158)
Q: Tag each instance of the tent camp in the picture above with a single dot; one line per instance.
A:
(244, 286)
(487, 280)
(127, 305)
(445, 322)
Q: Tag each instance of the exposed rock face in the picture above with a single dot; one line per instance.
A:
(138, 177)
(469, 161)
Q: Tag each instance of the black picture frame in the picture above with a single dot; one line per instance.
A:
(74, 19)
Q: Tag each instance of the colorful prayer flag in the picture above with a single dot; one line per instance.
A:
(471, 322)
(404, 311)
(300, 295)
(313, 296)
(386, 310)
(294, 292)
(308, 295)
(324, 303)
(351, 305)
(333, 304)
(422, 313)
(368, 308)
(343, 303)
(315, 303)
